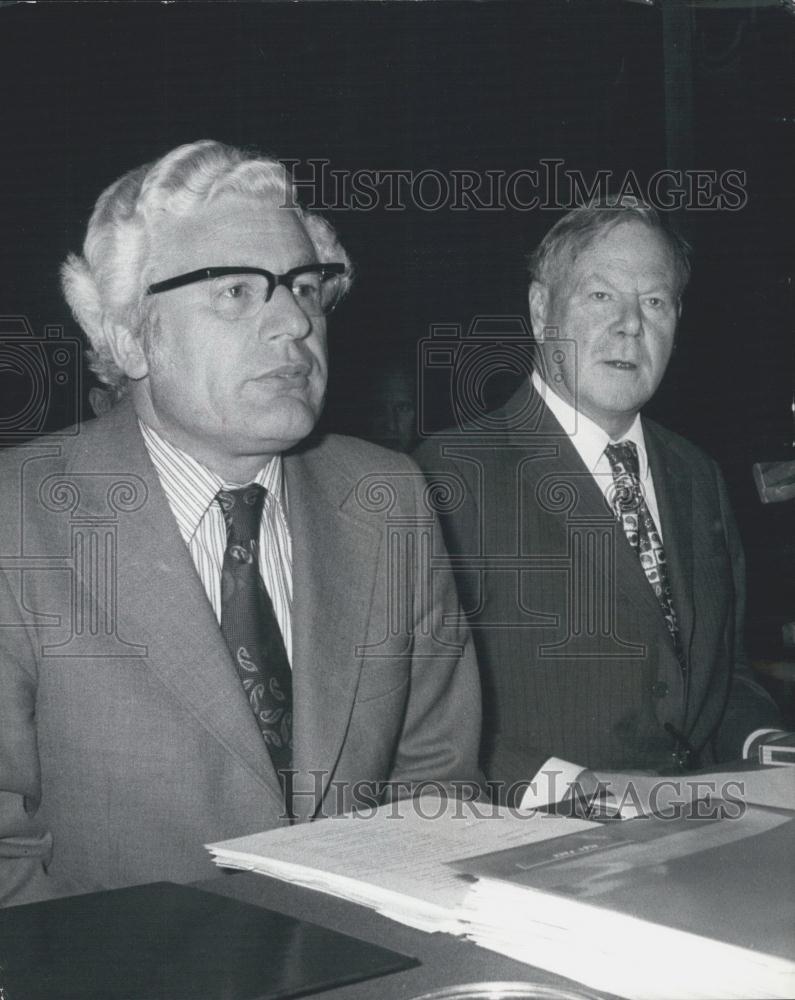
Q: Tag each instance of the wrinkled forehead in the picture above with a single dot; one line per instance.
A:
(230, 229)
(630, 252)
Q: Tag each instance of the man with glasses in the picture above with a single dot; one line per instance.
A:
(199, 638)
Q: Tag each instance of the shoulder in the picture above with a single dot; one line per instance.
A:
(677, 449)
(350, 471)
(524, 419)
(34, 482)
(115, 426)
(674, 459)
(350, 456)
(107, 444)
(53, 450)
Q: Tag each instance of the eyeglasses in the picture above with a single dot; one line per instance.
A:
(240, 292)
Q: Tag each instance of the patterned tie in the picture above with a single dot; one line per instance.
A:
(641, 531)
(249, 625)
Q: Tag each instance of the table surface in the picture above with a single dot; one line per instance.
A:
(446, 960)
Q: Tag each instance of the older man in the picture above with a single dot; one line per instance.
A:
(199, 636)
(599, 561)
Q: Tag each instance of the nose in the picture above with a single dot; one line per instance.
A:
(283, 317)
(631, 319)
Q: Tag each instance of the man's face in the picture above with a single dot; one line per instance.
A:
(618, 303)
(232, 393)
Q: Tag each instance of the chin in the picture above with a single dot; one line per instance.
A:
(290, 428)
(292, 408)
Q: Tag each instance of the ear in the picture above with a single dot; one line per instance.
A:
(538, 297)
(127, 350)
(101, 400)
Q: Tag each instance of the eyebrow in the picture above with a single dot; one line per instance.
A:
(663, 285)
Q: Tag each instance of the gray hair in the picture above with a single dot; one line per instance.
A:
(107, 284)
(579, 228)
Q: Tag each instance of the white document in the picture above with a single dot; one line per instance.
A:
(393, 859)
(627, 795)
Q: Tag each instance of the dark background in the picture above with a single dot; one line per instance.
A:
(91, 90)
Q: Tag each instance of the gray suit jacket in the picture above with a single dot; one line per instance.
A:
(126, 742)
(575, 657)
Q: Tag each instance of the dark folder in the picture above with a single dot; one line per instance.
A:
(169, 942)
(730, 879)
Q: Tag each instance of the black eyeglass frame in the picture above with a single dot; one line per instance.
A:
(325, 271)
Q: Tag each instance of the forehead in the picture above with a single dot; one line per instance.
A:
(232, 229)
(630, 251)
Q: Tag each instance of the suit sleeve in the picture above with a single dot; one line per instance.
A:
(749, 706)
(25, 846)
(508, 764)
(441, 731)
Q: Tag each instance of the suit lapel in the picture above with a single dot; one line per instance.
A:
(674, 494)
(564, 465)
(334, 563)
(163, 606)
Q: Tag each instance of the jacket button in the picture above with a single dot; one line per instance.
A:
(659, 689)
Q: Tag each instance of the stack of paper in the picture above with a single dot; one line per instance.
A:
(393, 859)
(695, 902)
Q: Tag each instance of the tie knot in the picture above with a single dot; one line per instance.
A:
(242, 510)
(623, 459)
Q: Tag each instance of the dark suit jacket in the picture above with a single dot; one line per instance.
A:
(575, 657)
(126, 742)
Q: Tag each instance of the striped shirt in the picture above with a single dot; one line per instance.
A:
(191, 488)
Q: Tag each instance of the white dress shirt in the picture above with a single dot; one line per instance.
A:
(590, 441)
(191, 488)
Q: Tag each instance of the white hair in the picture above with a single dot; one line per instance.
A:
(573, 233)
(108, 283)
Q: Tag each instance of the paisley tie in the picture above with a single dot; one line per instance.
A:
(641, 531)
(249, 625)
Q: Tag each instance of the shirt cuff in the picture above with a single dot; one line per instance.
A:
(757, 739)
(550, 783)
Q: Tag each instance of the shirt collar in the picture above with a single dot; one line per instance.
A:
(191, 487)
(588, 437)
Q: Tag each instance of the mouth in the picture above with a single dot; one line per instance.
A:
(622, 366)
(295, 374)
